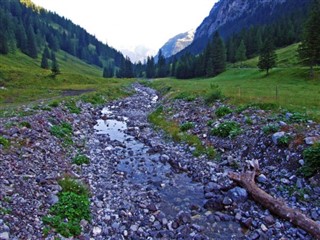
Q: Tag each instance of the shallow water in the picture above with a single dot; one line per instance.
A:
(177, 191)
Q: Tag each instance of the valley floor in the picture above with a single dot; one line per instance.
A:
(145, 186)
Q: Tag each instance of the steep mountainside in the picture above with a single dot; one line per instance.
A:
(177, 43)
(231, 16)
(29, 28)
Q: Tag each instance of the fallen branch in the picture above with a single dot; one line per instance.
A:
(277, 207)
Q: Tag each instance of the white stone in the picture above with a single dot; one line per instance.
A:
(96, 231)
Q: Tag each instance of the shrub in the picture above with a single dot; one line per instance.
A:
(214, 94)
(25, 124)
(298, 118)
(95, 99)
(227, 129)
(284, 141)
(4, 142)
(186, 96)
(54, 104)
(80, 159)
(72, 207)
(222, 111)
(270, 128)
(62, 131)
(72, 106)
(311, 157)
(186, 126)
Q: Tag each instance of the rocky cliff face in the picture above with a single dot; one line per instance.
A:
(177, 43)
(230, 16)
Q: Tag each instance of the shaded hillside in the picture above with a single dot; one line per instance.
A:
(231, 16)
(29, 28)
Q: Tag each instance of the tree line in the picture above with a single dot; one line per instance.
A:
(31, 29)
(259, 40)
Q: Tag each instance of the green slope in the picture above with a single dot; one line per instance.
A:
(24, 81)
(287, 86)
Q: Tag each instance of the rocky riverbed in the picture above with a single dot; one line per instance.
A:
(145, 186)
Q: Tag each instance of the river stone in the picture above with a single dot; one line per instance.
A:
(4, 236)
(262, 178)
(276, 136)
(312, 140)
(238, 194)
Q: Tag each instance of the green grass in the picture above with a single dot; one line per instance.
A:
(73, 206)
(25, 82)
(288, 88)
(178, 134)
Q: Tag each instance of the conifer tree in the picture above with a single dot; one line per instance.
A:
(268, 57)
(55, 66)
(150, 70)
(309, 49)
(44, 59)
(219, 54)
(241, 53)
(31, 42)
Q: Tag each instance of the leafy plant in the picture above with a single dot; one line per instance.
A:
(209, 123)
(214, 94)
(227, 129)
(72, 106)
(54, 104)
(186, 126)
(186, 96)
(4, 142)
(72, 207)
(62, 131)
(270, 128)
(95, 99)
(284, 141)
(80, 159)
(311, 157)
(25, 124)
(298, 118)
(222, 111)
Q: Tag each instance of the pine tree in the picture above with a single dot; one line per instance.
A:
(161, 66)
(55, 66)
(108, 71)
(268, 57)
(31, 42)
(219, 54)
(241, 53)
(309, 49)
(44, 60)
(150, 70)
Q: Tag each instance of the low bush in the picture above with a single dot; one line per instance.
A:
(62, 131)
(72, 107)
(73, 206)
(80, 159)
(187, 126)
(227, 129)
(270, 128)
(311, 157)
(222, 111)
(213, 95)
(4, 142)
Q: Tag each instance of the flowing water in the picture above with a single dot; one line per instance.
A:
(177, 191)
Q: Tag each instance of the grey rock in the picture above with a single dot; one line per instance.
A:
(238, 194)
(262, 178)
(276, 136)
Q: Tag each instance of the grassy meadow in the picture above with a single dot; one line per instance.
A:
(25, 82)
(288, 86)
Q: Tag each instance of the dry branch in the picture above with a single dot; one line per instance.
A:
(277, 207)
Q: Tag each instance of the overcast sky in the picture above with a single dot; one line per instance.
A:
(125, 24)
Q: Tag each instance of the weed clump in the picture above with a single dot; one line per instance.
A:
(80, 159)
(187, 126)
(4, 142)
(227, 129)
(214, 94)
(222, 111)
(73, 206)
(270, 128)
(311, 157)
(72, 107)
(62, 131)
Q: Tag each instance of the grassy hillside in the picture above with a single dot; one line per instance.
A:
(287, 87)
(24, 81)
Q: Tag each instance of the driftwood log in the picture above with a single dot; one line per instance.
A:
(247, 180)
